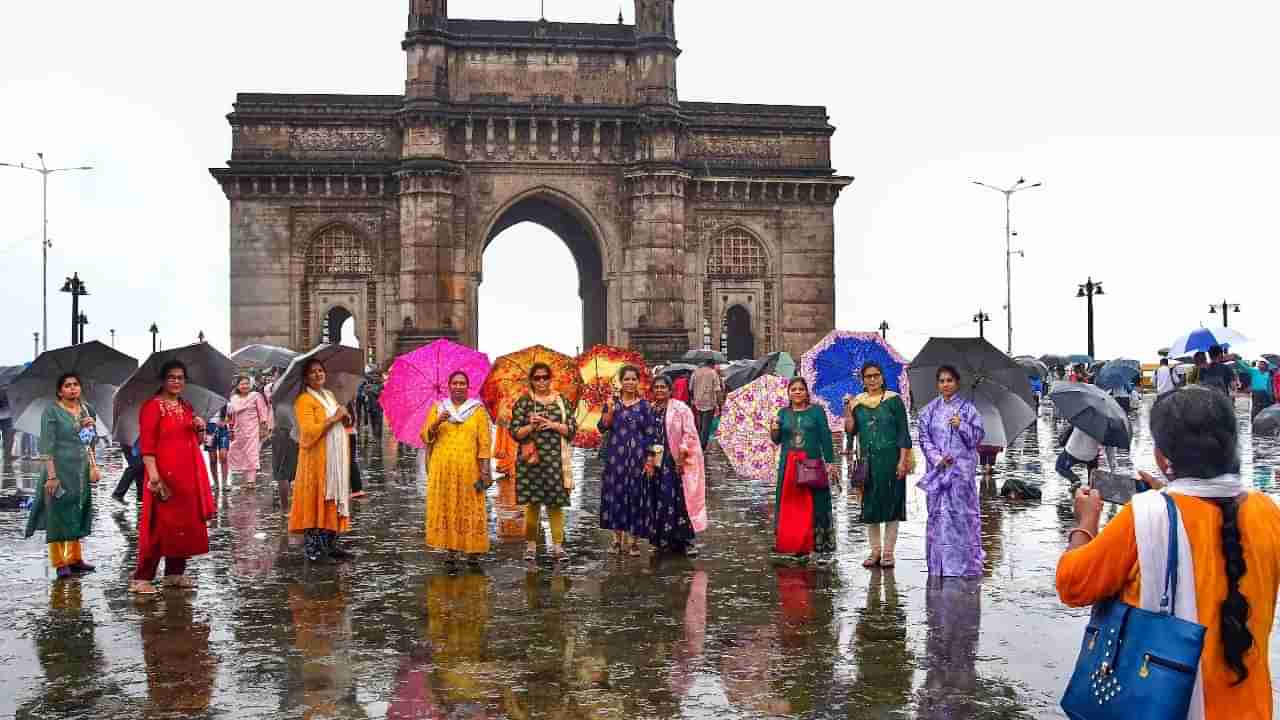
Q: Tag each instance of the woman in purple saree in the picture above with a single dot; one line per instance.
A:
(950, 432)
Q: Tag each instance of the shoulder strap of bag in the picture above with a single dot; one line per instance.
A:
(1168, 600)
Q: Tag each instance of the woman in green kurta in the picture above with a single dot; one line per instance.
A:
(543, 422)
(878, 418)
(64, 509)
(803, 520)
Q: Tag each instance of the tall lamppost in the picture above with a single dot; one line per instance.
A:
(1009, 252)
(884, 329)
(81, 321)
(113, 337)
(982, 319)
(35, 336)
(200, 337)
(1088, 290)
(76, 287)
(45, 172)
(1224, 307)
(154, 331)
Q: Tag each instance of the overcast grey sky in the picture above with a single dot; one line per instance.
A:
(1153, 125)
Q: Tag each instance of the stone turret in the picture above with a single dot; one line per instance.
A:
(426, 55)
(656, 36)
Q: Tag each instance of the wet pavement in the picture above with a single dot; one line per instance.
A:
(394, 634)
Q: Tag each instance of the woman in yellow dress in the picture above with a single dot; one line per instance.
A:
(458, 436)
(322, 486)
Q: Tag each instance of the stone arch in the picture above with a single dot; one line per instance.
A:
(338, 266)
(739, 338)
(578, 229)
(739, 270)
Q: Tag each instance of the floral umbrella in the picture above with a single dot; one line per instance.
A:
(833, 369)
(744, 426)
(420, 379)
(509, 379)
(599, 368)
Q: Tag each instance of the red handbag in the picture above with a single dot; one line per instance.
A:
(812, 473)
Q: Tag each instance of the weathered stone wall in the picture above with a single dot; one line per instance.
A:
(540, 76)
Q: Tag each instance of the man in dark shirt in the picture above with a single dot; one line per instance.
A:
(1218, 374)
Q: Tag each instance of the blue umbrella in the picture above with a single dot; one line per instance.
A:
(833, 368)
(1118, 374)
(1080, 359)
(1201, 339)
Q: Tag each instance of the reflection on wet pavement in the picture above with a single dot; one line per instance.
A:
(395, 635)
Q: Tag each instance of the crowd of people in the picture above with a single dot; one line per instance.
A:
(653, 486)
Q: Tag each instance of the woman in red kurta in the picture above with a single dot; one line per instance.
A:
(177, 502)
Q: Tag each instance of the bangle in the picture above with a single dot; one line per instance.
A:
(1079, 530)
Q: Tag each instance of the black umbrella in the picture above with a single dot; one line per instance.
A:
(1055, 360)
(675, 370)
(102, 370)
(344, 368)
(991, 380)
(700, 357)
(263, 356)
(1267, 422)
(741, 373)
(1033, 366)
(1093, 411)
(209, 377)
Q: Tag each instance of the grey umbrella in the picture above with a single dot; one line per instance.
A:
(263, 356)
(1033, 366)
(1267, 422)
(209, 377)
(102, 370)
(1093, 411)
(344, 367)
(700, 357)
(991, 380)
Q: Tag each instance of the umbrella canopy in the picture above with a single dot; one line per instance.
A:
(744, 427)
(1267, 422)
(344, 371)
(743, 372)
(1034, 367)
(420, 379)
(833, 369)
(1201, 339)
(1119, 375)
(509, 379)
(1093, 411)
(9, 374)
(675, 370)
(102, 371)
(263, 356)
(1055, 360)
(1079, 360)
(209, 376)
(1272, 359)
(599, 369)
(700, 357)
(991, 380)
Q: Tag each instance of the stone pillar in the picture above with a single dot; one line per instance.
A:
(577, 140)
(653, 274)
(595, 140)
(432, 282)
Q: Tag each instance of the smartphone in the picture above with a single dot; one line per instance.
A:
(1114, 487)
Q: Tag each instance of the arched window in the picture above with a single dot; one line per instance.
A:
(337, 251)
(736, 254)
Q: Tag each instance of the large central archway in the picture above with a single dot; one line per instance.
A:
(557, 213)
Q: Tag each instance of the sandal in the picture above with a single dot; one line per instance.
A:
(142, 587)
(634, 550)
(872, 561)
(615, 547)
(531, 554)
(179, 581)
(887, 560)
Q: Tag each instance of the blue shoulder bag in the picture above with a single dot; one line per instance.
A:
(1136, 664)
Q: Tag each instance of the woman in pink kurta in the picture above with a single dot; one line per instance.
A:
(249, 417)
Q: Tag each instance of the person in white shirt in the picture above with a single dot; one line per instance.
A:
(1166, 382)
(1081, 449)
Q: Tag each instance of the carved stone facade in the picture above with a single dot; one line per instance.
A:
(679, 214)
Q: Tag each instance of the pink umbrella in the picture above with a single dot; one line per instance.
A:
(420, 379)
(744, 426)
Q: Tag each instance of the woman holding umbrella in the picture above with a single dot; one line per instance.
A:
(630, 423)
(458, 436)
(803, 522)
(177, 503)
(64, 510)
(878, 418)
(543, 424)
(677, 496)
(322, 486)
(950, 432)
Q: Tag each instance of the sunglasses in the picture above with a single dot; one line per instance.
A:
(541, 378)
(872, 376)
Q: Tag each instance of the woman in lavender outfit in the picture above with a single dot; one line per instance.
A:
(950, 432)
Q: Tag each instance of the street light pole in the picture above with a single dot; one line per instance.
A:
(1224, 307)
(982, 319)
(154, 331)
(1009, 252)
(81, 321)
(1088, 290)
(35, 336)
(75, 286)
(45, 172)
(113, 337)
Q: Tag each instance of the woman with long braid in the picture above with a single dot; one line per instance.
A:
(1233, 535)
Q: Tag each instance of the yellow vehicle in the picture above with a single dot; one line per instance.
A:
(1148, 379)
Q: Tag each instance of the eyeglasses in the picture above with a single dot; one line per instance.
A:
(872, 376)
(176, 378)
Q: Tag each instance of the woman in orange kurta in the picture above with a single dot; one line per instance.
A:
(321, 486)
(1235, 549)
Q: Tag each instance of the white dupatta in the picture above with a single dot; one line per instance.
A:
(1151, 528)
(337, 455)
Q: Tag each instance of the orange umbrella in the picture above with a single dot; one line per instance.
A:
(599, 368)
(509, 379)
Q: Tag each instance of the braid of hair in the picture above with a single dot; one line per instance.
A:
(1234, 613)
